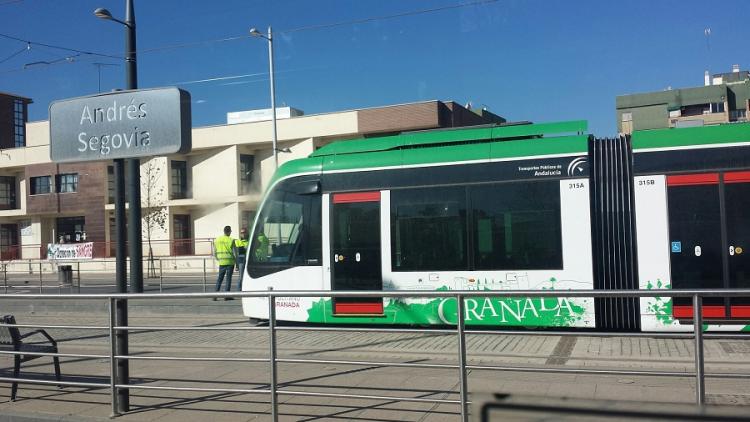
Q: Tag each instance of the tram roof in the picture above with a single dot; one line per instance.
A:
(444, 146)
(427, 138)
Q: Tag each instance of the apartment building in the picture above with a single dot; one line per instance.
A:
(724, 98)
(186, 199)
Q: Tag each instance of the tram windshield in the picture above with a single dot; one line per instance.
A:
(287, 233)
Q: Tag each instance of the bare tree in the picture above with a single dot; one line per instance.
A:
(154, 211)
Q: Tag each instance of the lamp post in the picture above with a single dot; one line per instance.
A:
(136, 270)
(255, 33)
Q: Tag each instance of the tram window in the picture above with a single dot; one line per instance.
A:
(517, 226)
(428, 229)
(288, 233)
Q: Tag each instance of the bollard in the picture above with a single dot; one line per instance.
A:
(41, 280)
(204, 275)
(5, 277)
(78, 274)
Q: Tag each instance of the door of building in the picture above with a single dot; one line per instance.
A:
(355, 251)
(182, 236)
(9, 247)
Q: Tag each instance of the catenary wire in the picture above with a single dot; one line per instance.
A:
(238, 37)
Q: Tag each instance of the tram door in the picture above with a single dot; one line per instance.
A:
(709, 231)
(355, 251)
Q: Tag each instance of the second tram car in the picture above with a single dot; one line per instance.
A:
(510, 207)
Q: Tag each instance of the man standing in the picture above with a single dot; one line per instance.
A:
(240, 252)
(223, 253)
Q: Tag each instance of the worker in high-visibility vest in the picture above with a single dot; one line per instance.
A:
(224, 254)
(240, 253)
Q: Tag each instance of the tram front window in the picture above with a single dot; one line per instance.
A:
(287, 234)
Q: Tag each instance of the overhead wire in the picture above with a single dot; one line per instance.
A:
(238, 37)
(58, 47)
(27, 48)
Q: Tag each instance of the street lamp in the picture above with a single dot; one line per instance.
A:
(136, 253)
(255, 33)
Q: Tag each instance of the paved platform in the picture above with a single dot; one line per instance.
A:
(46, 402)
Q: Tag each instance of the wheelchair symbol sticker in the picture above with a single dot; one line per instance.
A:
(676, 247)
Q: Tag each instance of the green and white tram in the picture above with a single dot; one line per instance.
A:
(510, 207)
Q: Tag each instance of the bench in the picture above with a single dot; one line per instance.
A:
(11, 339)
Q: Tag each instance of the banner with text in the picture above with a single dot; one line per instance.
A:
(69, 251)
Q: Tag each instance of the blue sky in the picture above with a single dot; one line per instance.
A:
(526, 60)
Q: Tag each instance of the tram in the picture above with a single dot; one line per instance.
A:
(510, 207)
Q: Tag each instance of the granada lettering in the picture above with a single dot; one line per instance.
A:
(514, 310)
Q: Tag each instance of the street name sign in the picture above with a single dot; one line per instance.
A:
(122, 124)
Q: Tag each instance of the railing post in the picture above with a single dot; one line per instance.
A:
(463, 384)
(41, 279)
(272, 352)
(161, 277)
(112, 362)
(78, 274)
(204, 275)
(5, 276)
(700, 381)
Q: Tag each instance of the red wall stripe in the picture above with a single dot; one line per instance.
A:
(737, 177)
(693, 179)
(350, 308)
(343, 198)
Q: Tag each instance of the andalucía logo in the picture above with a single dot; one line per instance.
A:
(576, 167)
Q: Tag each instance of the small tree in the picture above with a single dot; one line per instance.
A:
(154, 211)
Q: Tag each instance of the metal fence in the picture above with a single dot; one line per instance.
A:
(158, 274)
(699, 375)
(106, 249)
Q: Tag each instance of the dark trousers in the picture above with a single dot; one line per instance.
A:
(225, 270)
(241, 270)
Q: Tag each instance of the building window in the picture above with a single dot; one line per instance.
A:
(627, 117)
(19, 123)
(247, 220)
(7, 192)
(67, 183)
(179, 179)
(717, 107)
(71, 229)
(247, 164)
(428, 229)
(110, 184)
(41, 185)
(735, 115)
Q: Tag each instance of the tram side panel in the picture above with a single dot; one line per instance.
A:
(652, 233)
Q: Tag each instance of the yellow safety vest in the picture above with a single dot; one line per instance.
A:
(223, 250)
(241, 246)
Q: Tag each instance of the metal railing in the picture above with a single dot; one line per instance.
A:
(106, 249)
(460, 331)
(161, 273)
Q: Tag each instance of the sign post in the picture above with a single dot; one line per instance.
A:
(115, 126)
